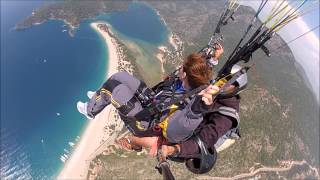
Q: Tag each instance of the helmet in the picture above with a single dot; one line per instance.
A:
(205, 162)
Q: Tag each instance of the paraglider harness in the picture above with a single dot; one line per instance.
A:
(206, 159)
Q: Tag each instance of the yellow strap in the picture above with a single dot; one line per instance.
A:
(164, 124)
(138, 125)
(221, 82)
(114, 102)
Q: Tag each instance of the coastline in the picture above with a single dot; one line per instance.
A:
(164, 53)
(97, 134)
(172, 52)
(161, 57)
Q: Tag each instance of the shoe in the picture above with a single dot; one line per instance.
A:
(90, 94)
(82, 108)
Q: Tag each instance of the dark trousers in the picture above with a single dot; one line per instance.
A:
(118, 90)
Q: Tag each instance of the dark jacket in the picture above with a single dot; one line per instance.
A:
(212, 128)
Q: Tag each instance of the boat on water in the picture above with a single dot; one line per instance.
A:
(63, 159)
(65, 150)
(71, 144)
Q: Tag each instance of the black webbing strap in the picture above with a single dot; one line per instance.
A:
(144, 115)
(144, 94)
(126, 108)
(141, 87)
(110, 84)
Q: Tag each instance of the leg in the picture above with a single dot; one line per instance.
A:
(146, 142)
(120, 87)
(97, 103)
(120, 90)
(137, 143)
(127, 79)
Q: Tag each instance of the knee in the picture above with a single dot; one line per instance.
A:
(122, 94)
(119, 76)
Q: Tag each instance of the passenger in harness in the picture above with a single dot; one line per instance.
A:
(133, 98)
(178, 125)
(220, 122)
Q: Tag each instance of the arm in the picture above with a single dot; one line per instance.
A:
(182, 123)
(216, 127)
(218, 51)
(210, 134)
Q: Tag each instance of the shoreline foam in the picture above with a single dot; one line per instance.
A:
(95, 137)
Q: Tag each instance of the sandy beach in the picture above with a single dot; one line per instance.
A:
(95, 137)
(164, 51)
(160, 55)
(173, 41)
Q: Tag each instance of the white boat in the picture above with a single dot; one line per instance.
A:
(63, 159)
(64, 30)
(71, 144)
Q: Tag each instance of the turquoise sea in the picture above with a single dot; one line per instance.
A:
(44, 72)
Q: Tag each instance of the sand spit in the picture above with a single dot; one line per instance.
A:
(101, 131)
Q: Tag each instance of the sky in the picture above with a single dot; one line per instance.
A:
(306, 48)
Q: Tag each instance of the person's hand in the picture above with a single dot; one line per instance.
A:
(169, 150)
(218, 50)
(207, 94)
